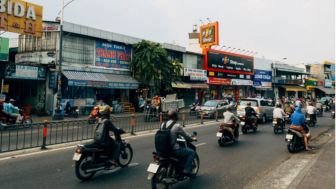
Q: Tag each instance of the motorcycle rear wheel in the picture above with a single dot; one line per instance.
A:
(291, 147)
(244, 130)
(80, 172)
(156, 181)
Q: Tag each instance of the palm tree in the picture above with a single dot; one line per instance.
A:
(151, 67)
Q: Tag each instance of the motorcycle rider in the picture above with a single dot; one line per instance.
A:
(179, 151)
(68, 108)
(102, 136)
(278, 113)
(298, 124)
(311, 111)
(230, 121)
(250, 114)
(11, 110)
(318, 106)
(288, 109)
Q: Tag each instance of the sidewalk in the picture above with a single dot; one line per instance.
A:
(322, 173)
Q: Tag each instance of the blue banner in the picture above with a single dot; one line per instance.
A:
(113, 55)
(262, 78)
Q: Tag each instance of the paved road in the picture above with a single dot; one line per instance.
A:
(232, 166)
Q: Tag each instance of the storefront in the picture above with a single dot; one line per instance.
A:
(27, 85)
(229, 74)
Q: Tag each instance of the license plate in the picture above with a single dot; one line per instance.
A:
(152, 168)
(289, 137)
(219, 134)
(308, 118)
(77, 156)
(274, 122)
(242, 123)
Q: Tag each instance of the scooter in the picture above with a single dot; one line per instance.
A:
(166, 171)
(248, 124)
(7, 121)
(295, 140)
(310, 120)
(90, 159)
(278, 125)
(225, 135)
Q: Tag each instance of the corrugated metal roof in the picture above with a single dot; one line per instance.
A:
(92, 76)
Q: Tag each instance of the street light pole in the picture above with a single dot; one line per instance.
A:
(58, 112)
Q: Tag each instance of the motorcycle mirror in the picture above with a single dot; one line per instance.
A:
(195, 133)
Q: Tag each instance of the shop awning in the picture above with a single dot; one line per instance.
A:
(294, 88)
(181, 85)
(199, 85)
(100, 80)
(327, 91)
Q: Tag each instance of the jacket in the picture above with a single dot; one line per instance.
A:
(175, 131)
(298, 118)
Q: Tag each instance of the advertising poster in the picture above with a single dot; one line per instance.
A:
(209, 35)
(262, 78)
(4, 49)
(113, 55)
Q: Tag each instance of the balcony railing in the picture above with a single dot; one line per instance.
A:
(288, 81)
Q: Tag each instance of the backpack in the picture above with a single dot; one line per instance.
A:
(162, 139)
(98, 135)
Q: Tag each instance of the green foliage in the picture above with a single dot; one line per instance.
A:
(151, 67)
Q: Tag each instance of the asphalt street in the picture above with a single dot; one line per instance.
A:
(232, 166)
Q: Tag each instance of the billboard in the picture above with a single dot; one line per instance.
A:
(209, 35)
(21, 17)
(113, 55)
(4, 49)
(196, 74)
(221, 61)
(262, 78)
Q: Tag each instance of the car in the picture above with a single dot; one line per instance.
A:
(325, 98)
(209, 108)
(263, 107)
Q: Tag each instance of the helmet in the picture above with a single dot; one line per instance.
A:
(105, 111)
(172, 114)
(278, 105)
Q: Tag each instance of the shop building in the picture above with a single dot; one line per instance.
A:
(288, 80)
(95, 65)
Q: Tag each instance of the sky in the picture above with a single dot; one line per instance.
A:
(293, 31)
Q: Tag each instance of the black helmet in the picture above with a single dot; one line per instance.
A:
(172, 114)
(106, 111)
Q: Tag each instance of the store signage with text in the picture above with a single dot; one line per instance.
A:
(21, 17)
(219, 81)
(220, 61)
(241, 82)
(209, 35)
(195, 74)
(112, 55)
(262, 78)
(25, 72)
(228, 75)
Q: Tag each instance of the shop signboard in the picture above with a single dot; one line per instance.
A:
(328, 83)
(228, 75)
(219, 81)
(209, 35)
(220, 61)
(262, 78)
(195, 74)
(46, 57)
(21, 17)
(25, 72)
(241, 82)
(112, 55)
(4, 49)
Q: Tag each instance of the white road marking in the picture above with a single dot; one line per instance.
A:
(200, 144)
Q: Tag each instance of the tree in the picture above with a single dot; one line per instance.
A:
(152, 69)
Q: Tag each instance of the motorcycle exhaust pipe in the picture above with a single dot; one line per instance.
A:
(95, 169)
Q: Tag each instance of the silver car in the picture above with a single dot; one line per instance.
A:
(263, 107)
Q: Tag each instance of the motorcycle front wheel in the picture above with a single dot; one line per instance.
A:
(27, 122)
(156, 181)
(80, 169)
(195, 167)
(125, 156)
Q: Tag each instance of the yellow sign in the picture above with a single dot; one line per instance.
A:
(209, 35)
(5, 88)
(21, 17)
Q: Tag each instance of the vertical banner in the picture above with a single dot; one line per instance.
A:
(4, 49)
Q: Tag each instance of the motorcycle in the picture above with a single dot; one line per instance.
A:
(295, 140)
(326, 108)
(7, 121)
(151, 113)
(248, 124)
(166, 171)
(93, 117)
(278, 125)
(310, 121)
(287, 118)
(74, 112)
(224, 134)
(91, 159)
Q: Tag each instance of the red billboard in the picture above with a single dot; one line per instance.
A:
(221, 61)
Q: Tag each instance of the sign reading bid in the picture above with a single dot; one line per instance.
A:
(21, 17)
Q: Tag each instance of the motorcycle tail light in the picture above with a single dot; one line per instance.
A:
(78, 150)
(155, 157)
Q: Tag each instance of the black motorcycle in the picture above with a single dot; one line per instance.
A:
(91, 158)
(73, 112)
(319, 112)
(310, 121)
(166, 171)
(248, 124)
(150, 113)
(225, 134)
(295, 140)
(278, 125)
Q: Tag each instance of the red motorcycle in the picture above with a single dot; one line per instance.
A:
(7, 120)
(93, 117)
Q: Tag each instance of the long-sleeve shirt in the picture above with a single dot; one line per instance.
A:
(175, 131)
(278, 113)
(10, 108)
(298, 118)
(229, 117)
